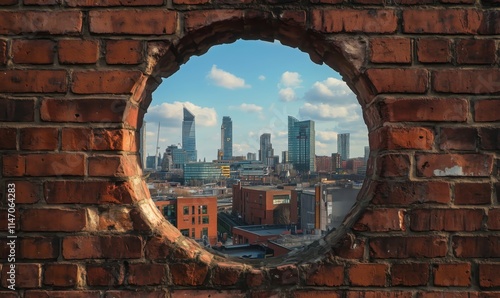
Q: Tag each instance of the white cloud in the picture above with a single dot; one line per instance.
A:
(328, 112)
(287, 94)
(226, 79)
(262, 78)
(170, 114)
(331, 90)
(290, 79)
(326, 136)
(247, 107)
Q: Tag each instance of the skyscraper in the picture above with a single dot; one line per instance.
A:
(226, 132)
(266, 148)
(142, 145)
(343, 145)
(301, 144)
(189, 135)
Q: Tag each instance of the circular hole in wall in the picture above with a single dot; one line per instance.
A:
(254, 151)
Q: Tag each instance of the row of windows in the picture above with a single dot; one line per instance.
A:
(201, 220)
(203, 232)
(203, 209)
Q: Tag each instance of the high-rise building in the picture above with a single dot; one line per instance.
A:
(284, 156)
(226, 132)
(343, 145)
(301, 144)
(189, 135)
(142, 145)
(251, 156)
(266, 148)
(336, 162)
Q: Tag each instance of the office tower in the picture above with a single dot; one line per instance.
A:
(226, 132)
(336, 162)
(189, 135)
(266, 148)
(301, 144)
(284, 156)
(251, 156)
(343, 145)
(142, 145)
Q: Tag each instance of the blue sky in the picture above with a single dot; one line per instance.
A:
(258, 84)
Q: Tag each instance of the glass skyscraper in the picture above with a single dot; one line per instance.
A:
(266, 148)
(189, 135)
(301, 144)
(226, 132)
(343, 145)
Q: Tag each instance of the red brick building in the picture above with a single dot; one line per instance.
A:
(323, 164)
(195, 217)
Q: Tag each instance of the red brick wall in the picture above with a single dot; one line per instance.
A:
(76, 79)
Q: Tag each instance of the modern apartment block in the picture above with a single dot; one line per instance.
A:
(189, 135)
(343, 146)
(301, 144)
(226, 132)
(266, 150)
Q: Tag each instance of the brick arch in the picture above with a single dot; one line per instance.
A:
(77, 81)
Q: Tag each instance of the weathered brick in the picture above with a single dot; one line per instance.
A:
(227, 274)
(61, 294)
(113, 166)
(472, 193)
(124, 52)
(77, 51)
(13, 165)
(476, 246)
(114, 140)
(76, 139)
(486, 110)
(9, 138)
(18, 110)
(82, 110)
(147, 22)
(108, 275)
(393, 165)
(472, 81)
(39, 138)
(493, 223)
(367, 275)
(408, 247)
(442, 21)
(61, 275)
(57, 164)
(33, 51)
(378, 294)
(405, 193)
(390, 50)
(392, 138)
(454, 165)
(425, 109)
(476, 51)
(99, 247)
(458, 138)
(98, 82)
(40, 2)
(450, 220)
(491, 20)
(397, 80)
(8, 2)
(325, 275)
(3, 51)
(57, 220)
(53, 22)
(27, 275)
(198, 19)
(453, 294)
(88, 192)
(455, 275)
(284, 275)
(103, 3)
(346, 20)
(27, 192)
(410, 274)
(434, 50)
(488, 275)
(39, 248)
(37, 81)
(381, 220)
(156, 274)
(190, 274)
(489, 138)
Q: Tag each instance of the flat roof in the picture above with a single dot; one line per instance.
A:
(265, 230)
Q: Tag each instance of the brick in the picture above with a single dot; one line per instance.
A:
(114, 140)
(491, 21)
(157, 274)
(393, 165)
(487, 110)
(328, 275)
(33, 51)
(113, 166)
(378, 294)
(413, 2)
(425, 109)
(14, 165)
(458, 138)
(442, 21)
(198, 2)
(451, 294)
(3, 51)
(347, 20)
(227, 274)
(9, 138)
(76, 139)
(394, 138)
(101, 247)
(489, 138)
(455, 275)
(450, 220)
(105, 3)
(145, 22)
(194, 20)
(40, 2)
(82, 110)
(142, 294)
(17, 110)
(476, 246)
(107, 274)
(8, 2)
(35, 81)
(62, 294)
(434, 50)
(408, 247)
(367, 275)
(396, 80)
(458, 1)
(313, 293)
(188, 274)
(98, 82)
(88, 192)
(57, 220)
(61, 275)
(390, 50)
(471, 81)
(27, 192)
(52, 22)
(405, 193)
(77, 51)
(472, 193)
(454, 165)
(39, 248)
(57, 164)
(27, 275)
(488, 275)
(410, 274)
(39, 138)
(493, 223)
(124, 52)
(284, 275)
(476, 51)
(381, 220)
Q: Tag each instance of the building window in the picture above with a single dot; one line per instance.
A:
(192, 220)
(204, 232)
(204, 220)
(185, 232)
(281, 199)
(192, 209)
(170, 214)
(185, 210)
(192, 233)
(204, 209)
